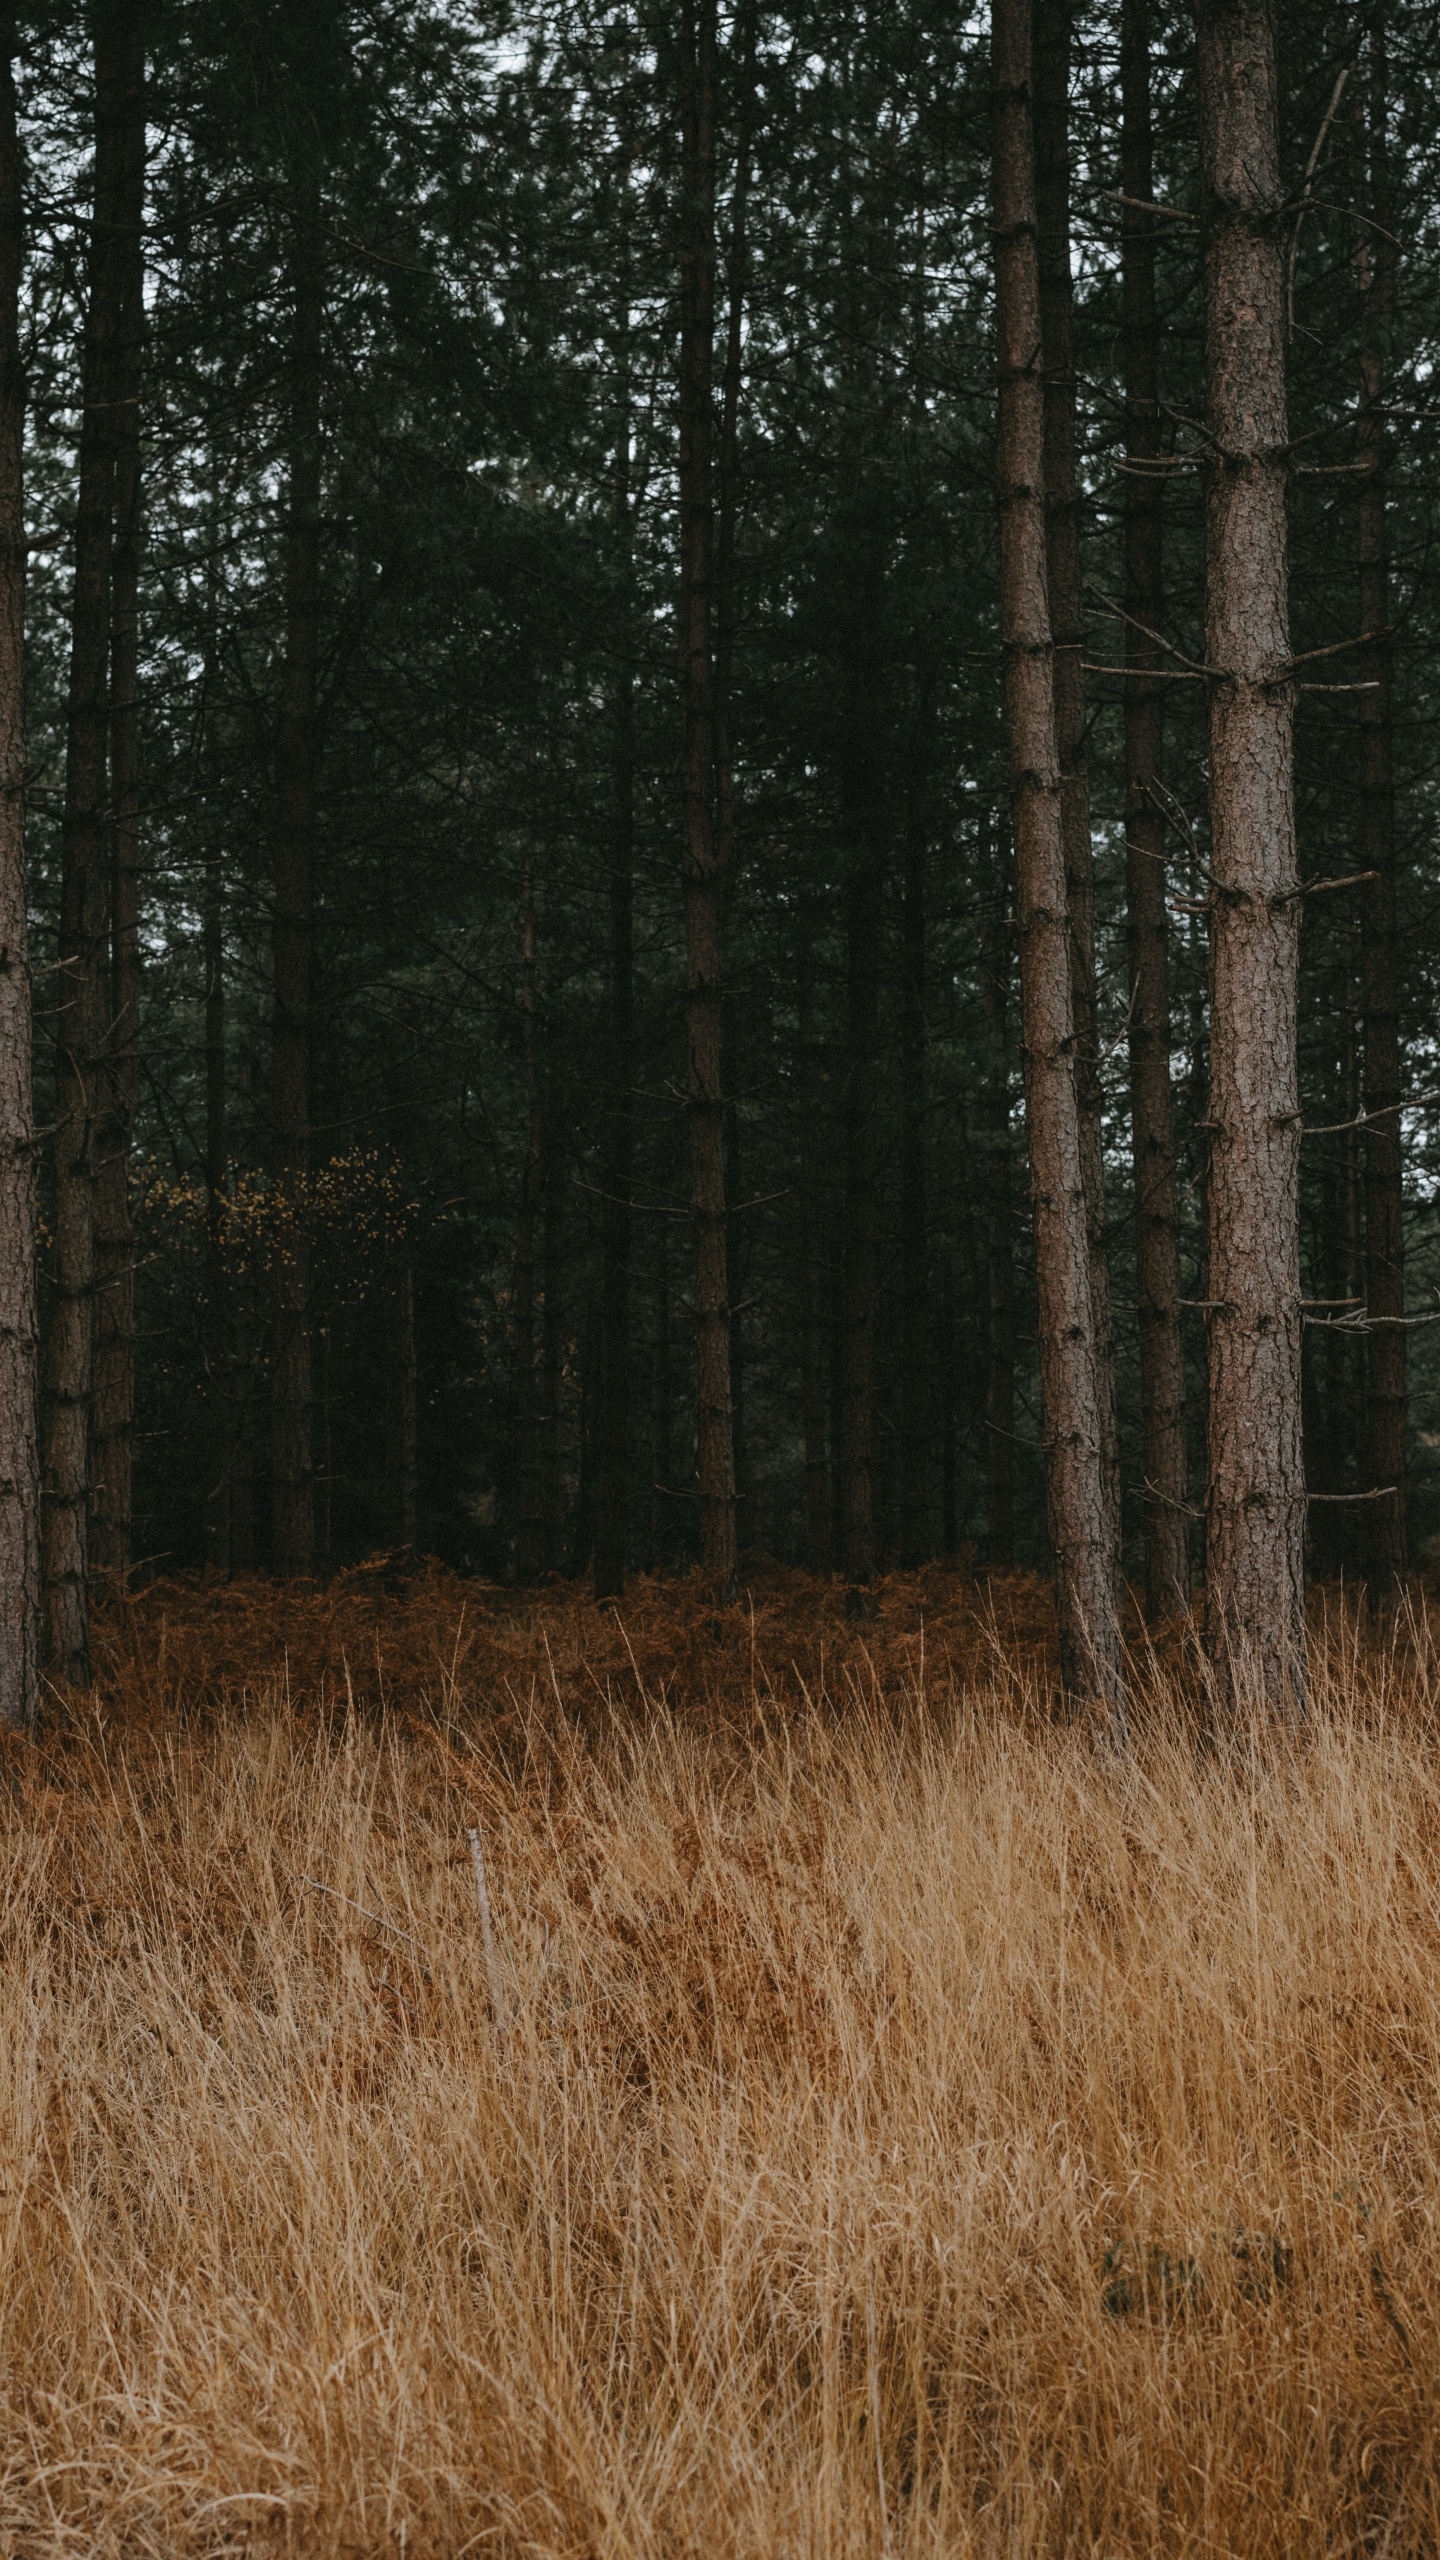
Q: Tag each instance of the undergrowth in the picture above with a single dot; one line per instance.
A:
(908, 2130)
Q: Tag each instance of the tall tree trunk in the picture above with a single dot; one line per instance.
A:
(815, 1389)
(582, 1526)
(1079, 1510)
(949, 1408)
(1152, 1128)
(714, 1433)
(612, 1500)
(530, 1556)
(113, 1411)
(837, 1402)
(728, 511)
(245, 1334)
(1351, 1238)
(734, 1283)
(1052, 47)
(864, 841)
(1325, 1435)
(1255, 1621)
(915, 1540)
(402, 1415)
(724, 636)
(19, 1442)
(552, 1353)
(613, 1453)
(815, 1348)
(82, 971)
(864, 907)
(220, 1381)
(291, 1392)
(999, 1252)
(660, 1457)
(1384, 1203)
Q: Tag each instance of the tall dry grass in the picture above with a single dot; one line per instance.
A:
(912, 2132)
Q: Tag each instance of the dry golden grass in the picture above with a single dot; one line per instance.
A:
(913, 2133)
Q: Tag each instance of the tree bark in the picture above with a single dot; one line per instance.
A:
(552, 1353)
(1152, 1128)
(291, 1392)
(915, 1539)
(1385, 1452)
(999, 1208)
(864, 908)
(1255, 1626)
(729, 472)
(82, 972)
(245, 1332)
(19, 1442)
(1052, 43)
(582, 1526)
(402, 1417)
(714, 1430)
(815, 1391)
(613, 1454)
(1079, 1511)
(530, 1556)
(661, 1539)
(815, 1292)
(949, 1409)
(219, 1366)
(734, 1284)
(727, 522)
(612, 1506)
(113, 1408)
(864, 849)
(1331, 1437)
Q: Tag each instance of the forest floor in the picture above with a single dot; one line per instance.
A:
(909, 2129)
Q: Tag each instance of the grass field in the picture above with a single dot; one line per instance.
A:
(910, 2131)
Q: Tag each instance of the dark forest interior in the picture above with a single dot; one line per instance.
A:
(522, 842)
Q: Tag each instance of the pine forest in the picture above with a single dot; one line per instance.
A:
(719, 1246)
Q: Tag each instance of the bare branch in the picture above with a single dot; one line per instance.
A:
(1143, 204)
(1307, 189)
(1334, 1128)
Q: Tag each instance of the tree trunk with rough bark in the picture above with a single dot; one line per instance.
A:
(864, 908)
(815, 1390)
(245, 1354)
(291, 1390)
(1254, 1544)
(1079, 1509)
(661, 1494)
(915, 1431)
(1384, 1198)
(552, 1354)
(735, 1282)
(999, 1250)
(220, 1382)
(402, 1414)
(19, 1439)
(1052, 49)
(82, 973)
(530, 1550)
(113, 1402)
(814, 1287)
(727, 521)
(948, 1364)
(612, 1500)
(1152, 1126)
(613, 1453)
(714, 1430)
